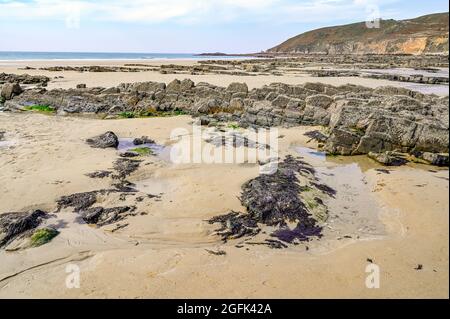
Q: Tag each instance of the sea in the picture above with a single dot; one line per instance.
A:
(31, 56)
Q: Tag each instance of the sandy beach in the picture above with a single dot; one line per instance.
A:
(69, 79)
(164, 252)
(224, 157)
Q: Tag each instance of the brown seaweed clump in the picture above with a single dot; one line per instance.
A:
(276, 200)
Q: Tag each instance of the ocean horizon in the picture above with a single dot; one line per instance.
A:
(32, 56)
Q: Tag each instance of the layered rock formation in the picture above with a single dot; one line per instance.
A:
(426, 34)
(24, 79)
(359, 120)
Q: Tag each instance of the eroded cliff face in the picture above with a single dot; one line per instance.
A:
(427, 34)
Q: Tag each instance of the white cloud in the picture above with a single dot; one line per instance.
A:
(186, 11)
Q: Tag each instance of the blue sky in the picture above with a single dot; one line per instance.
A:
(191, 26)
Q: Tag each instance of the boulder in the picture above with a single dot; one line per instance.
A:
(388, 158)
(281, 101)
(206, 106)
(438, 159)
(145, 87)
(174, 86)
(342, 142)
(236, 104)
(9, 90)
(186, 85)
(237, 87)
(143, 140)
(108, 139)
(12, 225)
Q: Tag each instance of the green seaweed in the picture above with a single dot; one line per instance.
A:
(127, 115)
(233, 126)
(40, 108)
(142, 150)
(43, 236)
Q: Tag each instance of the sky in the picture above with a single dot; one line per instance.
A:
(183, 26)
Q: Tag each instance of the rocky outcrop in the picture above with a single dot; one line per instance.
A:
(40, 80)
(388, 158)
(410, 78)
(330, 64)
(94, 68)
(13, 225)
(108, 139)
(359, 119)
(9, 90)
(438, 159)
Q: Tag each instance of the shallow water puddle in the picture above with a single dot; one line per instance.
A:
(439, 72)
(161, 151)
(439, 89)
(353, 212)
(306, 151)
(4, 144)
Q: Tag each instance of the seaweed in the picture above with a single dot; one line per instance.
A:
(276, 200)
(142, 150)
(303, 231)
(103, 216)
(217, 253)
(13, 225)
(99, 174)
(78, 201)
(40, 108)
(43, 236)
(125, 166)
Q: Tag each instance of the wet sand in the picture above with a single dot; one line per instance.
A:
(397, 220)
